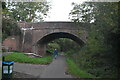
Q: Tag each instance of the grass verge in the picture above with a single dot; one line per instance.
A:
(21, 57)
(76, 71)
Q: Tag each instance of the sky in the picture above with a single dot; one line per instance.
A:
(60, 9)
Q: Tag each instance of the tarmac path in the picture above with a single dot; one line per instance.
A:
(31, 70)
(56, 69)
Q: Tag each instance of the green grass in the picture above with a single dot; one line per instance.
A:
(21, 57)
(76, 71)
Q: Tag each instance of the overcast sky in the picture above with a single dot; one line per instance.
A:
(60, 10)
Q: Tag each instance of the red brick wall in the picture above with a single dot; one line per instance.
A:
(12, 42)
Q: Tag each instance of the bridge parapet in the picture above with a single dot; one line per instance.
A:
(48, 25)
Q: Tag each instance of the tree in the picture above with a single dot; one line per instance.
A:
(102, 48)
(27, 11)
(82, 13)
(21, 11)
(9, 26)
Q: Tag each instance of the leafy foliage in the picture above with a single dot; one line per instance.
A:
(63, 45)
(66, 44)
(81, 13)
(75, 70)
(21, 11)
(99, 56)
(52, 46)
(27, 11)
(9, 28)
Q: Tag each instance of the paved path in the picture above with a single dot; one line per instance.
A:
(29, 69)
(56, 69)
(5, 53)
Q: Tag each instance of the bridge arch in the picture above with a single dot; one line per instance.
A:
(52, 36)
(38, 34)
(41, 44)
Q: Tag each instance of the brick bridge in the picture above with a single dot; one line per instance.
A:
(37, 35)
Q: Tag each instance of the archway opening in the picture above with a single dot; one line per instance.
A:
(50, 37)
(63, 45)
(46, 40)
